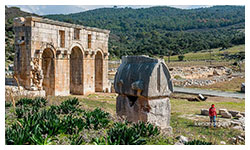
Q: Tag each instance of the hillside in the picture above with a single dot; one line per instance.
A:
(10, 14)
(159, 30)
(155, 31)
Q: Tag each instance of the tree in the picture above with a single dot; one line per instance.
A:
(181, 57)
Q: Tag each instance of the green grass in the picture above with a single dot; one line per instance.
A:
(97, 103)
(180, 125)
(205, 54)
(231, 86)
(185, 127)
(189, 107)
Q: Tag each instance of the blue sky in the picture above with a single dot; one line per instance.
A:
(66, 9)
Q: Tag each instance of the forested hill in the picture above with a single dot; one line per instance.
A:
(154, 31)
(10, 14)
(159, 30)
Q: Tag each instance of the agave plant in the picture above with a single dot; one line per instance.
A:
(39, 102)
(24, 101)
(69, 106)
(96, 119)
(8, 104)
(76, 139)
(71, 125)
(122, 134)
(197, 142)
(16, 135)
(145, 129)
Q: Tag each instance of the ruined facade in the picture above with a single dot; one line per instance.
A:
(144, 86)
(60, 58)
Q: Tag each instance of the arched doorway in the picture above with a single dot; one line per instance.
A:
(98, 72)
(48, 67)
(76, 71)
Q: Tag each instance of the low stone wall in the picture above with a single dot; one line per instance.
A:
(15, 91)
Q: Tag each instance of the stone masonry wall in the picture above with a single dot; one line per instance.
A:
(34, 35)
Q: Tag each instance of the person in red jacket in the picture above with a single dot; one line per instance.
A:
(212, 114)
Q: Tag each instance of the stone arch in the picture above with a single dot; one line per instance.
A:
(48, 67)
(76, 44)
(48, 46)
(76, 71)
(99, 71)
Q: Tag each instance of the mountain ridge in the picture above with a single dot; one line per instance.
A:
(154, 31)
(161, 29)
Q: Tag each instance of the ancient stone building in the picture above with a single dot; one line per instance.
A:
(144, 86)
(60, 58)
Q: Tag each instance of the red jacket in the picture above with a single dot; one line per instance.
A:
(212, 111)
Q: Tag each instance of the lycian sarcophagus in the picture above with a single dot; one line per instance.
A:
(144, 86)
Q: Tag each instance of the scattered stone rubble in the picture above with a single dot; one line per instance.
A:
(238, 122)
(195, 72)
(20, 91)
(201, 76)
(181, 140)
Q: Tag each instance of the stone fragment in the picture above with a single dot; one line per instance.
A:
(178, 143)
(240, 138)
(201, 97)
(223, 142)
(242, 89)
(232, 140)
(233, 112)
(243, 114)
(226, 115)
(222, 110)
(205, 112)
(182, 139)
(238, 128)
(238, 116)
(234, 123)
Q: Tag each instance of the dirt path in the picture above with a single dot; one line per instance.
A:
(209, 92)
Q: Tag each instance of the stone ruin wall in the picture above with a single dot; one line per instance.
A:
(201, 76)
(60, 58)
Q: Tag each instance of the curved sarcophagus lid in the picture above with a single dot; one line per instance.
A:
(143, 76)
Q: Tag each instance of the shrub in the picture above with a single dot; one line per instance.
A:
(76, 139)
(24, 101)
(68, 106)
(181, 57)
(16, 135)
(197, 142)
(8, 104)
(21, 111)
(96, 119)
(121, 134)
(39, 102)
(26, 105)
(145, 129)
(71, 125)
(177, 77)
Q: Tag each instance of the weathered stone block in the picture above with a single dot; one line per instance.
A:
(156, 111)
(205, 112)
(226, 115)
(222, 110)
(143, 85)
(233, 112)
